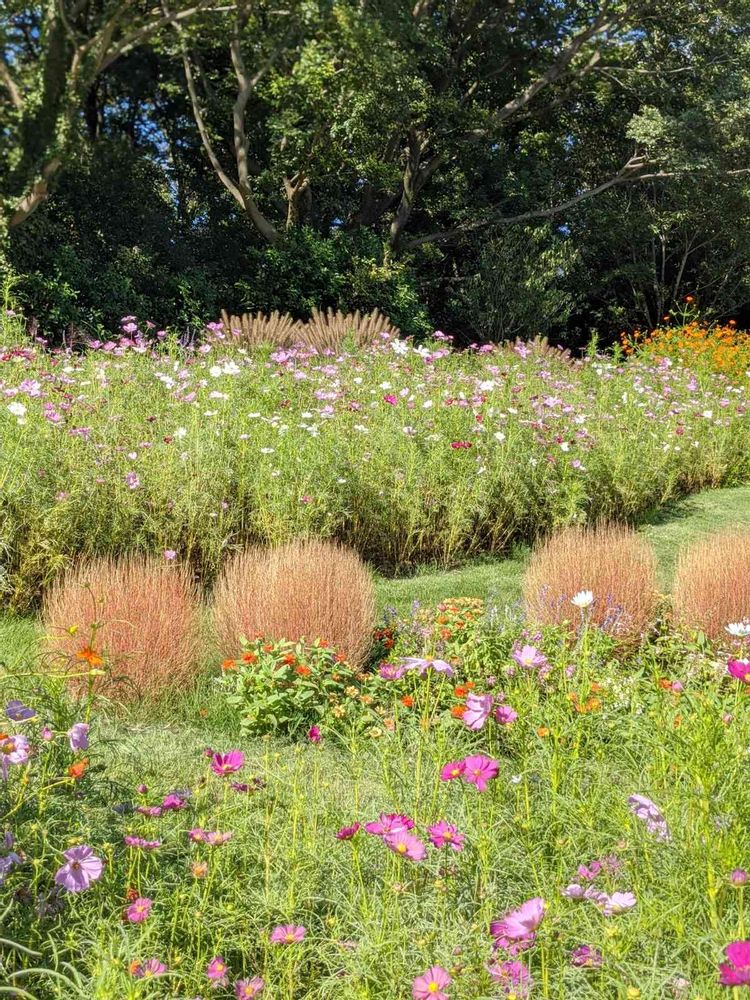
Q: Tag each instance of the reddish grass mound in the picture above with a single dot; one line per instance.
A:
(309, 589)
(613, 562)
(712, 583)
(149, 615)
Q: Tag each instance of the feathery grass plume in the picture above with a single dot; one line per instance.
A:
(615, 564)
(330, 329)
(254, 329)
(712, 583)
(143, 614)
(308, 588)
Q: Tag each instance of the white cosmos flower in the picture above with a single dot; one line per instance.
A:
(739, 630)
(399, 347)
(17, 409)
(583, 599)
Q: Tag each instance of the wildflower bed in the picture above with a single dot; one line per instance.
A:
(408, 453)
(524, 814)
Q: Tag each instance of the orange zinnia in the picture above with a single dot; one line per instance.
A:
(458, 711)
(302, 670)
(407, 701)
(76, 771)
(228, 665)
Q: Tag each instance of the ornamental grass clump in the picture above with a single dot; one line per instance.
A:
(135, 618)
(306, 589)
(605, 574)
(712, 583)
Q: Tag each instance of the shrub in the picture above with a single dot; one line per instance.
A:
(612, 562)
(308, 589)
(140, 615)
(712, 583)
(286, 687)
(323, 331)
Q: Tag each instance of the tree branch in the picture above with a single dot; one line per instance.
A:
(10, 85)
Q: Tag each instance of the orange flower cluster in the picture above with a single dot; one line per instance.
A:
(697, 344)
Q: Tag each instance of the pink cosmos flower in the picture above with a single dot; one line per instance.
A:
(423, 664)
(211, 837)
(173, 802)
(586, 957)
(149, 969)
(529, 657)
(81, 868)
(736, 970)
(478, 708)
(452, 770)
(389, 823)
(216, 971)
(140, 843)
(139, 910)
(153, 811)
(406, 844)
(478, 770)
(513, 977)
(13, 750)
(618, 902)
(444, 834)
(590, 871)
(649, 813)
(170, 554)
(739, 877)
(740, 669)
(245, 989)
(505, 715)
(516, 931)
(347, 832)
(431, 985)
(227, 763)
(288, 934)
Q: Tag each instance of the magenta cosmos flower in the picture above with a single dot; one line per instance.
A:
(478, 770)
(431, 985)
(216, 971)
(149, 969)
(452, 770)
(314, 734)
(78, 736)
(513, 977)
(347, 832)
(586, 957)
(422, 664)
(477, 711)
(288, 934)
(406, 844)
(444, 834)
(516, 931)
(389, 823)
(81, 868)
(139, 910)
(736, 970)
(505, 715)
(224, 764)
(740, 669)
(244, 989)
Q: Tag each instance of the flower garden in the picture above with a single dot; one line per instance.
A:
(228, 771)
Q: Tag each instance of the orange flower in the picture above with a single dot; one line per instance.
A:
(665, 684)
(290, 658)
(76, 771)
(458, 711)
(228, 665)
(542, 731)
(90, 656)
(407, 701)
(131, 894)
(677, 721)
(592, 705)
(461, 691)
(249, 657)
(268, 648)
(302, 670)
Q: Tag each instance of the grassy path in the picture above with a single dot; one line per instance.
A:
(669, 531)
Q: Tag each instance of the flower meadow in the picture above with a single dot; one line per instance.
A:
(500, 811)
(408, 453)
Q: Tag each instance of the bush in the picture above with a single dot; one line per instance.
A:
(285, 687)
(306, 589)
(138, 615)
(712, 583)
(614, 563)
